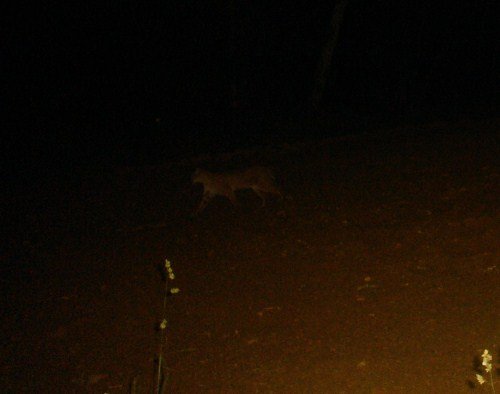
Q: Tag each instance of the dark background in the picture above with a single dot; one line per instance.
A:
(130, 82)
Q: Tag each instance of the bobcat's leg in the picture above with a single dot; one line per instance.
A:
(204, 201)
(262, 196)
(232, 197)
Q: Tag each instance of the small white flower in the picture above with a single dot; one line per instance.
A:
(163, 324)
(174, 290)
(480, 379)
(486, 356)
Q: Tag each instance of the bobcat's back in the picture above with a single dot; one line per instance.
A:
(253, 177)
(260, 179)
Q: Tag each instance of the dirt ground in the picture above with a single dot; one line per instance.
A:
(378, 273)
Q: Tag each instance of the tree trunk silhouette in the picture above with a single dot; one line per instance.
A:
(325, 60)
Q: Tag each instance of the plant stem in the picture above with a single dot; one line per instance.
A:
(163, 339)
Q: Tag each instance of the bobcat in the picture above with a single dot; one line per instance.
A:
(259, 179)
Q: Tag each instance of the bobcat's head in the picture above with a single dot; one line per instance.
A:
(198, 176)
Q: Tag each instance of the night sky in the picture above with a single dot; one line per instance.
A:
(140, 82)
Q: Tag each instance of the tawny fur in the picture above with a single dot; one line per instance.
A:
(259, 179)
